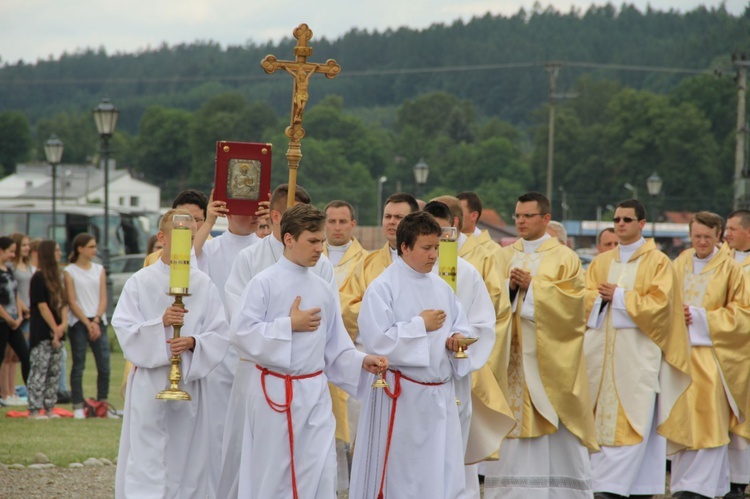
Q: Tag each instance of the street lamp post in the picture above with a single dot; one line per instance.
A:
(421, 171)
(105, 116)
(632, 189)
(653, 184)
(382, 180)
(53, 150)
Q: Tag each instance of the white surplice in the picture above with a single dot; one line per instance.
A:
(164, 444)
(218, 255)
(262, 333)
(426, 451)
(248, 263)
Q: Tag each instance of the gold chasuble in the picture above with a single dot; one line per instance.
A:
(354, 254)
(544, 367)
(488, 244)
(744, 428)
(718, 399)
(353, 289)
(489, 398)
(628, 367)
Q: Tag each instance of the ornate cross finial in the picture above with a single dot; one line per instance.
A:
(301, 70)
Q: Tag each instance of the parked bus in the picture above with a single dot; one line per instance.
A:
(128, 230)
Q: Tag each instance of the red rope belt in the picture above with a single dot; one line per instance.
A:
(395, 395)
(286, 407)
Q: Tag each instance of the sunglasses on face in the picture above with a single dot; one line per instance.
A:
(627, 220)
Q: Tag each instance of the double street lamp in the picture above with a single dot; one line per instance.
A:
(105, 117)
(421, 171)
(382, 180)
(53, 150)
(653, 184)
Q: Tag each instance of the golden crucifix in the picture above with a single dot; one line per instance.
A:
(301, 70)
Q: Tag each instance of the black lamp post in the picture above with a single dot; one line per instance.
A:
(421, 171)
(105, 116)
(53, 150)
(653, 184)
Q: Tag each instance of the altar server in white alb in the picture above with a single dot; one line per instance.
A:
(410, 443)
(164, 444)
(289, 325)
(248, 263)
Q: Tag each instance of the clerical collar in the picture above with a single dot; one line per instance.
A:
(336, 253)
(394, 254)
(291, 266)
(405, 267)
(700, 263)
(461, 240)
(477, 232)
(532, 246)
(240, 238)
(627, 250)
(277, 247)
(741, 255)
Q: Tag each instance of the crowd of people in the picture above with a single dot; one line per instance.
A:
(316, 366)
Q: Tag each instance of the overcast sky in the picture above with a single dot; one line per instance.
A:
(34, 29)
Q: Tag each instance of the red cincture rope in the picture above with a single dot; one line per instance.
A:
(395, 395)
(286, 407)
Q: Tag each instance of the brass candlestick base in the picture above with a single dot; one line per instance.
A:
(462, 344)
(174, 392)
(380, 382)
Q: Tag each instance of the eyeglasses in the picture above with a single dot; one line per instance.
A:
(526, 216)
(627, 220)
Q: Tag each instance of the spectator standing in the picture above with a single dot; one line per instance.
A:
(10, 319)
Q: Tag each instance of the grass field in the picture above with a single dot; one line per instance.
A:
(66, 440)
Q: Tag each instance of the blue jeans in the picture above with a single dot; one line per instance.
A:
(79, 338)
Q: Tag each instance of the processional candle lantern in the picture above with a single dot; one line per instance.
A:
(448, 270)
(179, 282)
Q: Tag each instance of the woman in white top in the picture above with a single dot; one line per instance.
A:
(85, 285)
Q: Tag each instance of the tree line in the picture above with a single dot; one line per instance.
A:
(479, 129)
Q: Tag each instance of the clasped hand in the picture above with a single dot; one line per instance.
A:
(519, 278)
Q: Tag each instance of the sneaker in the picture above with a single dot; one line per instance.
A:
(79, 414)
(112, 415)
(52, 415)
(37, 416)
(15, 400)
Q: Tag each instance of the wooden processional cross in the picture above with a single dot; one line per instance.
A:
(301, 70)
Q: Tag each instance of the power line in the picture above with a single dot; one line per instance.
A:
(368, 72)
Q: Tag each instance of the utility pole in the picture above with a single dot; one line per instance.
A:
(741, 194)
(552, 69)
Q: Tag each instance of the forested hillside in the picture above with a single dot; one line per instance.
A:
(637, 93)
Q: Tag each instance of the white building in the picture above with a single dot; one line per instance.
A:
(78, 185)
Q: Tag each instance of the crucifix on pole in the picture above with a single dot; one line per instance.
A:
(301, 70)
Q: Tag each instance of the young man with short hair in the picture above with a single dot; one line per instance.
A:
(289, 326)
(163, 446)
(717, 315)
(637, 357)
(342, 248)
(410, 436)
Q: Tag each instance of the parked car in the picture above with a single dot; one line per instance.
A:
(120, 270)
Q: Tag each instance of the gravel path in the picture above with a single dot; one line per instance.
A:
(95, 482)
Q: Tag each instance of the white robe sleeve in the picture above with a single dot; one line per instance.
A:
(480, 313)
(620, 317)
(404, 343)
(527, 308)
(211, 341)
(266, 343)
(698, 330)
(598, 313)
(143, 341)
(343, 361)
(461, 325)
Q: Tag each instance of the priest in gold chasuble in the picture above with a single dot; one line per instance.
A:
(637, 356)
(717, 313)
(737, 238)
(547, 454)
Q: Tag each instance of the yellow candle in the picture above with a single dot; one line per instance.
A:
(179, 275)
(448, 256)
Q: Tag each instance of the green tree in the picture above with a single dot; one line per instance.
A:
(77, 131)
(15, 139)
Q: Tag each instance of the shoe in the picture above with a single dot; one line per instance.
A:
(15, 400)
(37, 416)
(112, 415)
(79, 414)
(52, 415)
(606, 495)
(736, 491)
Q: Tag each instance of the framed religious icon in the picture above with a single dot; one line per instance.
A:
(243, 175)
